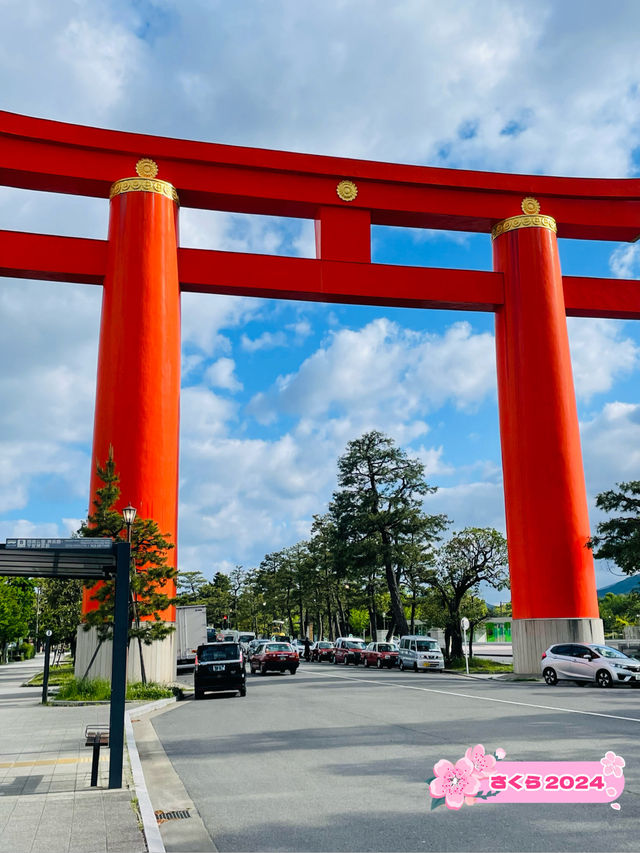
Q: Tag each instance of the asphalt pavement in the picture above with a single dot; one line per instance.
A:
(337, 758)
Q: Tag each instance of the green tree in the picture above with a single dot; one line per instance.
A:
(17, 600)
(189, 587)
(618, 611)
(150, 572)
(60, 609)
(379, 507)
(618, 538)
(216, 596)
(473, 556)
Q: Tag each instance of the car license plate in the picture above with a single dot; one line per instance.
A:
(282, 657)
(218, 667)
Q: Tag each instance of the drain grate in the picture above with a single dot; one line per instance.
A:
(177, 814)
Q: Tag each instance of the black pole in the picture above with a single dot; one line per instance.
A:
(119, 664)
(45, 677)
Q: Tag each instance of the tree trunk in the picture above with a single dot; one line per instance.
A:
(397, 610)
(413, 613)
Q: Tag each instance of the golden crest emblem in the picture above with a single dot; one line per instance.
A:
(347, 190)
(146, 168)
(530, 205)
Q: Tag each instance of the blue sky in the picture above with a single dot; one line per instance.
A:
(273, 390)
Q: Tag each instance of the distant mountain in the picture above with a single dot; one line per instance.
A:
(622, 587)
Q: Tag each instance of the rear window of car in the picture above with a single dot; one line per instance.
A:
(354, 645)
(561, 650)
(386, 647)
(277, 647)
(219, 651)
(324, 645)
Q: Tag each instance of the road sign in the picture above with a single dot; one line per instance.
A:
(61, 544)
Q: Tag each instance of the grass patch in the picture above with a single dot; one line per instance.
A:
(99, 690)
(480, 665)
(58, 675)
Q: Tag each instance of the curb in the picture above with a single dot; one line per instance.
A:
(152, 835)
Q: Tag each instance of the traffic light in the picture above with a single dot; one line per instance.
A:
(225, 621)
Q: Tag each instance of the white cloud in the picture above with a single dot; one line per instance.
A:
(220, 374)
(600, 354)
(383, 366)
(625, 261)
(267, 340)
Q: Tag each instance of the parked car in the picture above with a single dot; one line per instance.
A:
(381, 654)
(276, 657)
(349, 650)
(420, 653)
(586, 662)
(219, 667)
(322, 650)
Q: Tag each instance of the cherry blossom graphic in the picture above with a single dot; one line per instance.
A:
(454, 783)
(500, 753)
(612, 764)
(483, 764)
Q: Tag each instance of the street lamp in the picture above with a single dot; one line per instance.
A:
(129, 515)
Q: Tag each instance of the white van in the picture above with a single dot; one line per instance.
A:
(418, 652)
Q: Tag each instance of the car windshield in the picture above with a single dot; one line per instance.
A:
(352, 644)
(245, 638)
(386, 647)
(277, 647)
(426, 646)
(219, 651)
(608, 652)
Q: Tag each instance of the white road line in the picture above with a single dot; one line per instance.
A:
(472, 696)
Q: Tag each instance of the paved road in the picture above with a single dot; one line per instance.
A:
(336, 759)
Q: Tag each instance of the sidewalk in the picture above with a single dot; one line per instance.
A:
(46, 800)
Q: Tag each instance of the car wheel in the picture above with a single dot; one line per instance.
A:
(243, 691)
(415, 666)
(263, 669)
(335, 659)
(366, 663)
(379, 664)
(603, 678)
(346, 661)
(550, 676)
(401, 666)
(198, 693)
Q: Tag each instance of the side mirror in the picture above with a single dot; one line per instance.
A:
(587, 656)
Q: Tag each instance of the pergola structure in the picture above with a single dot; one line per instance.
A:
(143, 271)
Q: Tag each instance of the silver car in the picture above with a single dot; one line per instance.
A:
(586, 662)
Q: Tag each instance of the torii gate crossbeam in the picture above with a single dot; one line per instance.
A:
(143, 270)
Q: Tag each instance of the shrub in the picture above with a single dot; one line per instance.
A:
(99, 690)
(27, 650)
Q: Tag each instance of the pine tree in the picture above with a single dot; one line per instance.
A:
(150, 574)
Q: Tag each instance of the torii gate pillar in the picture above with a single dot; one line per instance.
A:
(138, 383)
(554, 595)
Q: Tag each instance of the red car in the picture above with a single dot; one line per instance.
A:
(322, 650)
(274, 657)
(381, 654)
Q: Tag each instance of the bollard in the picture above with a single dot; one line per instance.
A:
(45, 676)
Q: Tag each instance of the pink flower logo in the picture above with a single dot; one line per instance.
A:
(454, 783)
(500, 753)
(483, 764)
(612, 764)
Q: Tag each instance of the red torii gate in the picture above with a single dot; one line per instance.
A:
(143, 271)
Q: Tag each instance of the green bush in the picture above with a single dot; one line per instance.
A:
(27, 650)
(85, 690)
(99, 690)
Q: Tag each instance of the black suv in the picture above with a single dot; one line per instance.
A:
(219, 666)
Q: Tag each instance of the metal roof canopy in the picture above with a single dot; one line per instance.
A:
(51, 562)
(101, 559)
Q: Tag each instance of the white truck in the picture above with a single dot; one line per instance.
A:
(191, 632)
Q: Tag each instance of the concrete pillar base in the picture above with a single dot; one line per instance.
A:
(531, 637)
(159, 658)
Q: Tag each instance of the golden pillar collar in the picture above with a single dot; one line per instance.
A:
(529, 218)
(145, 182)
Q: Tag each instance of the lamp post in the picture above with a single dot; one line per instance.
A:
(129, 516)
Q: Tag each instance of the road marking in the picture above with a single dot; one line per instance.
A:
(48, 761)
(472, 696)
